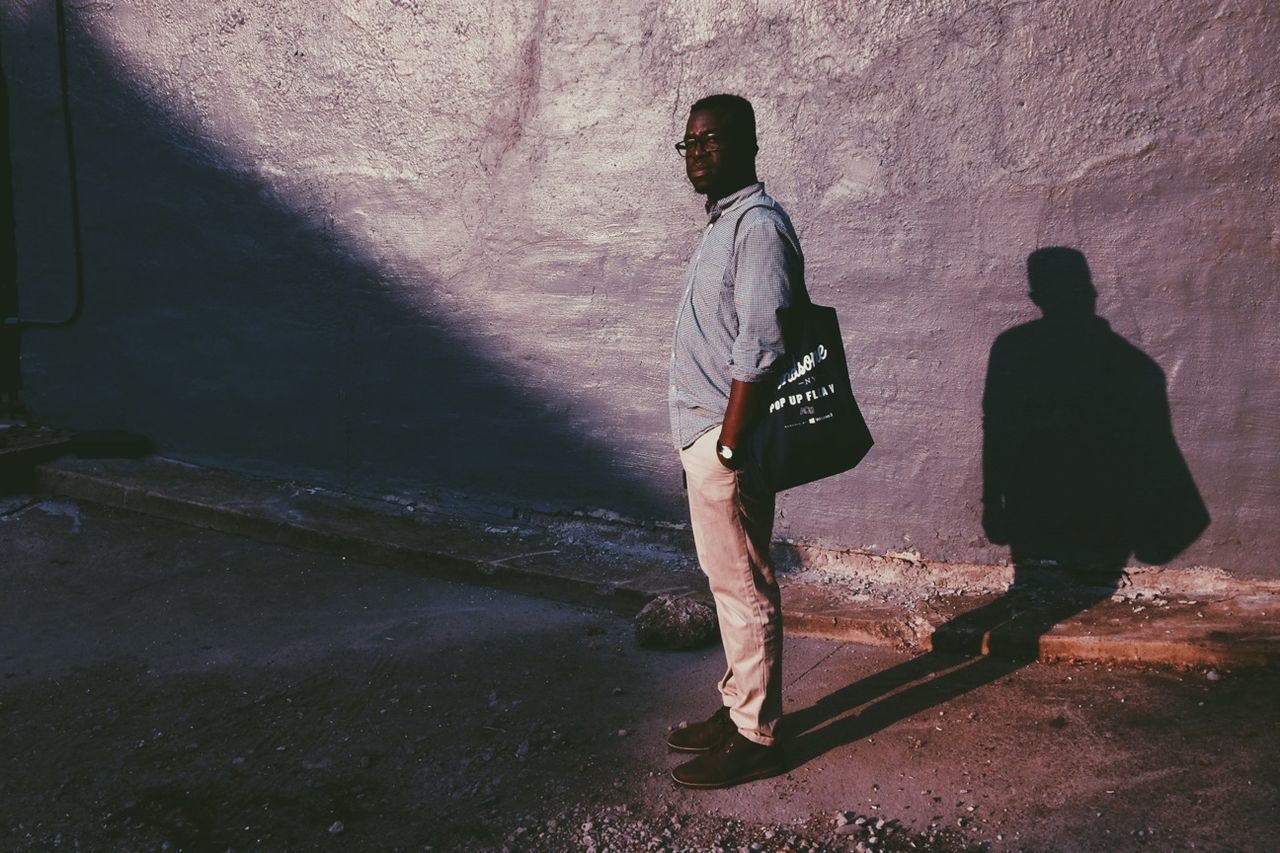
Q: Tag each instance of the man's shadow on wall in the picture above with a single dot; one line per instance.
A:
(1081, 472)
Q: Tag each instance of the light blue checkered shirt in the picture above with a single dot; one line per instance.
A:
(727, 325)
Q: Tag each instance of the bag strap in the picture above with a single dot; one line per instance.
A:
(804, 290)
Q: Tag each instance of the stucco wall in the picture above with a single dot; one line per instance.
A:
(404, 247)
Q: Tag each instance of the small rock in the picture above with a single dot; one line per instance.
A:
(674, 622)
(336, 827)
(622, 732)
(1213, 675)
(848, 829)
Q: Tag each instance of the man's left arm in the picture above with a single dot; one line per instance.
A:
(767, 271)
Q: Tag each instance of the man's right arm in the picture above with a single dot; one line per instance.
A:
(767, 269)
(747, 402)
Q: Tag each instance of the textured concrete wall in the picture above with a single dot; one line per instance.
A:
(401, 246)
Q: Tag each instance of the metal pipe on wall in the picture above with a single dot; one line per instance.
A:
(9, 242)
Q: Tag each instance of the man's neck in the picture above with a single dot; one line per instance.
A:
(714, 196)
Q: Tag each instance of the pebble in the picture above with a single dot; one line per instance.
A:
(1213, 675)
(336, 827)
(622, 732)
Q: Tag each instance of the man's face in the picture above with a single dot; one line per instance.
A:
(715, 173)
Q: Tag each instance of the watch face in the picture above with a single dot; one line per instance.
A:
(726, 452)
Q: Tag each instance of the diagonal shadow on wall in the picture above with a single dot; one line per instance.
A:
(234, 327)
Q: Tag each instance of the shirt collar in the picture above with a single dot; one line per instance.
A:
(714, 209)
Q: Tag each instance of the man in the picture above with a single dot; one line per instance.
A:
(727, 342)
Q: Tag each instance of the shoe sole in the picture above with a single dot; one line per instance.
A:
(692, 749)
(764, 773)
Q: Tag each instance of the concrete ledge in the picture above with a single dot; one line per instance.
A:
(22, 448)
(369, 530)
(621, 569)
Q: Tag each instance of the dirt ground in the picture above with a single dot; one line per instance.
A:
(167, 688)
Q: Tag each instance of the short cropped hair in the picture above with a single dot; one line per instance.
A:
(738, 108)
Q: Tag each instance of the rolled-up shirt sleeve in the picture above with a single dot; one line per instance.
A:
(767, 266)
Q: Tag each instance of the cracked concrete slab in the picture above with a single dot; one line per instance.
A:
(1230, 623)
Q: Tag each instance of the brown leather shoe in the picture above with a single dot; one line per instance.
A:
(737, 760)
(705, 736)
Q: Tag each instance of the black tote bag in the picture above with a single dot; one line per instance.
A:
(813, 428)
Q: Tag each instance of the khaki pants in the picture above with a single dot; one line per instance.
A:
(732, 526)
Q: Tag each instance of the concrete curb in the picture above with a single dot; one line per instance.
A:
(1236, 633)
(247, 522)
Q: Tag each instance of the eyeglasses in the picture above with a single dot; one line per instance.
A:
(708, 142)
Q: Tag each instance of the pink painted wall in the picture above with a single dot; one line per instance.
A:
(434, 249)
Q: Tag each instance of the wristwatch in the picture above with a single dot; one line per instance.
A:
(726, 452)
